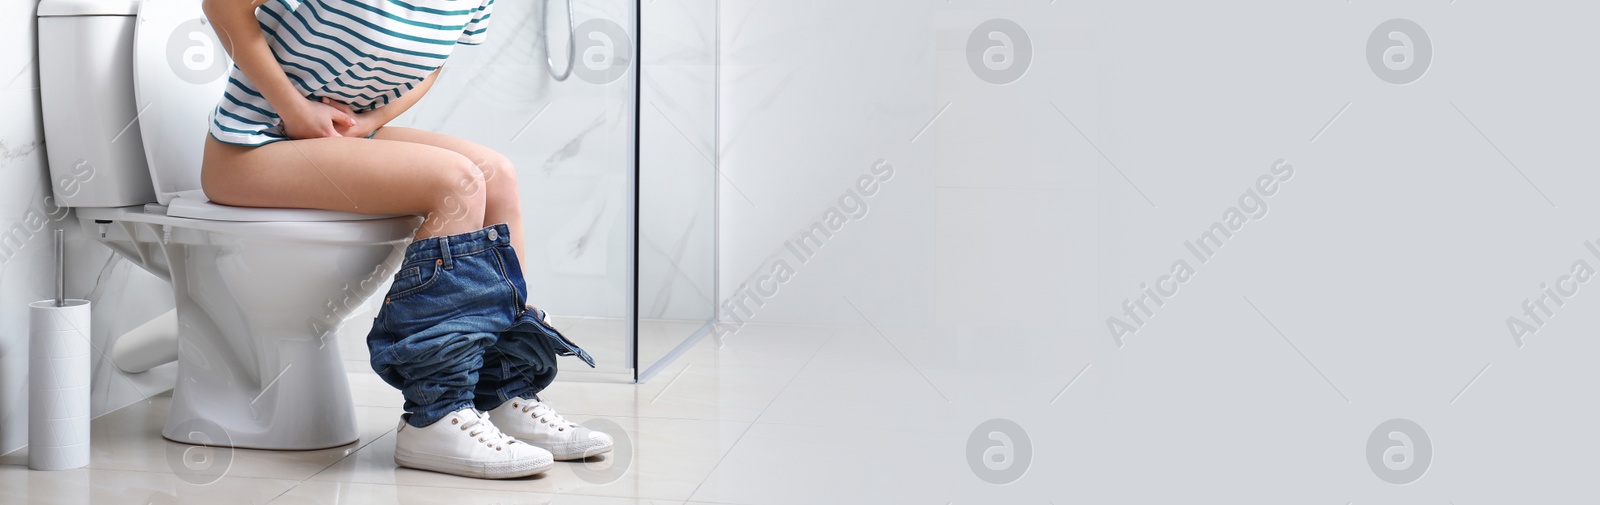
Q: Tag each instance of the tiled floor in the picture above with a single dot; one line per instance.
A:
(774, 414)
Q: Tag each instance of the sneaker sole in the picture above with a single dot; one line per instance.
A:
(453, 466)
(575, 450)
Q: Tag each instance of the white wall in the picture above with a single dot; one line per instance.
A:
(1421, 216)
(966, 291)
(123, 296)
(987, 220)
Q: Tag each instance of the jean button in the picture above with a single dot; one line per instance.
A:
(494, 234)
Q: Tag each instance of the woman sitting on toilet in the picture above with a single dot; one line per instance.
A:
(302, 125)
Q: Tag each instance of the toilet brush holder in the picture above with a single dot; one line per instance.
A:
(58, 385)
(58, 376)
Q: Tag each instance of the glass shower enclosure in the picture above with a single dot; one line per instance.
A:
(619, 200)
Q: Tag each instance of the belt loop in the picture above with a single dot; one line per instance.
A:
(444, 251)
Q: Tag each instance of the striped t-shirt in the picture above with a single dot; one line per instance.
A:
(362, 53)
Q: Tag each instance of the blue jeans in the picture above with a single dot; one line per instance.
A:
(455, 332)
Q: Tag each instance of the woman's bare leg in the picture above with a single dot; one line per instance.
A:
(365, 176)
(502, 204)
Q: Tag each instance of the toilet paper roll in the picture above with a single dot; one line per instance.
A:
(58, 385)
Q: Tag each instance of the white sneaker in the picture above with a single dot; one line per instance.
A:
(535, 423)
(465, 443)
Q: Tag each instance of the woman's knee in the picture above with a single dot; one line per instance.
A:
(500, 177)
(464, 190)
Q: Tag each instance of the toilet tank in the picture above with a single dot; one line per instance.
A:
(95, 149)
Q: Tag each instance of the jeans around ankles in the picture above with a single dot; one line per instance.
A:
(455, 330)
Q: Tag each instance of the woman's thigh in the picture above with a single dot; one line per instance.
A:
(366, 176)
(496, 167)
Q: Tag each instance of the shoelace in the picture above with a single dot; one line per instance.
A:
(486, 433)
(547, 415)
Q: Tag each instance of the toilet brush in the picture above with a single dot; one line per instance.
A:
(58, 376)
(61, 268)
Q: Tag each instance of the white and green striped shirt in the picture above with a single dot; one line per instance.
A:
(362, 53)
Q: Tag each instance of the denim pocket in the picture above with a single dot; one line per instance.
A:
(414, 278)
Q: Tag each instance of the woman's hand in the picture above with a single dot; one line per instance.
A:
(312, 119)
(362, 124)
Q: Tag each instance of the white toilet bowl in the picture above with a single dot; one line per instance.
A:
(258, 305)
(259, 292)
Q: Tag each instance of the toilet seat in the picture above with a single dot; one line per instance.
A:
(195, 205)
(359, 229)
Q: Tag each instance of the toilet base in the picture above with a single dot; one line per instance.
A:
(306, 407)
(259, 305)
(256, 448)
